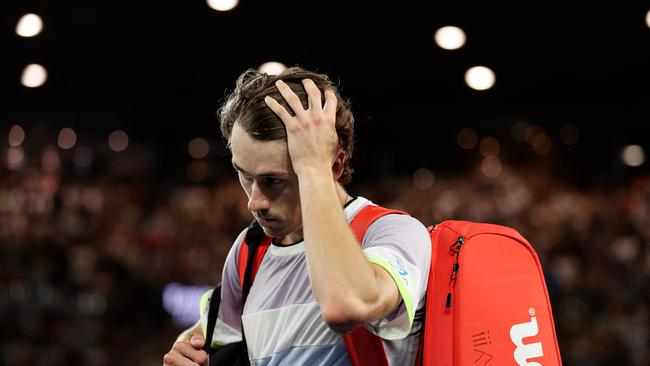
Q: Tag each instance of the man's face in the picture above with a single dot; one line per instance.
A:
(266, 174)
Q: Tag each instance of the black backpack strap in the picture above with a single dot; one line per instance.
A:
(254, 236)
(213, 311)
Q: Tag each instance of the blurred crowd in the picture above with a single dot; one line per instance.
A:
(83, 262)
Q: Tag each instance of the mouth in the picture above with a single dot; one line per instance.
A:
(266, 221)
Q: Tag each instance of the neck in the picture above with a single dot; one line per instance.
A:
(344, 197)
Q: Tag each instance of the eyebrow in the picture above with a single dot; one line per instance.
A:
(267, 174)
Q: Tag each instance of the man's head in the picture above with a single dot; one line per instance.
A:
(258, 141)
(245, 106)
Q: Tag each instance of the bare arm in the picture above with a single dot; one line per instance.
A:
(350, 290)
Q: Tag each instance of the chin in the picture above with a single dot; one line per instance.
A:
(274, 233)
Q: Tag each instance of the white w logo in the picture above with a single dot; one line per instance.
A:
(523, 352)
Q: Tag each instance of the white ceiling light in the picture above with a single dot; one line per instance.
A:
(272, 68)
(450, 37)
(29, 25)
(479, 78)
(222, 5)
(33, 76)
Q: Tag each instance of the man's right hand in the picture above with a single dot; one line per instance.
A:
(187, 351)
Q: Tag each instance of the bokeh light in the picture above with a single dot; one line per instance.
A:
(197, 170)
(33, 76)
(118, 140)
(467, 138)
(450, 38)
(272, 68)
(67, 138)
(491, 166)
(29, 25)
(182, 302)
(198, 148)
(15, 157)
(541, 144)
(223, 5)
(16, 135)
(423, 178)
(479, 78)
(633, 155)
(489, 147)
(532, 131)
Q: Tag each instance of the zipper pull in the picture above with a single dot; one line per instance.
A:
(454, 249)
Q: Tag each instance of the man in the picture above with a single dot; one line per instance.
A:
(291, 138)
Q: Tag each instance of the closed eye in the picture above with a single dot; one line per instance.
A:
(274, 181)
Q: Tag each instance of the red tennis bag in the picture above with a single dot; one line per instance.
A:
(487, 301)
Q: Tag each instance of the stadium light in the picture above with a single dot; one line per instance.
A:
(222, 5)
(633, 155)
(272, 68)
(29, 25)
(449, 38)
(34, 75)
(479, 78)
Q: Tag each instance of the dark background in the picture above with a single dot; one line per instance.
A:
(159, 70)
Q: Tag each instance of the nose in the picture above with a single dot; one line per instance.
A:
(257, 200)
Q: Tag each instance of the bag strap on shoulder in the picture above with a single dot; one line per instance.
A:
(365, 348)
(367, 216)
(251, 253)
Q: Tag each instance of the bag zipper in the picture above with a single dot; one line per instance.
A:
(454, 249)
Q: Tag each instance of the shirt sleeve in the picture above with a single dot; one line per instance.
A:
(401, 245)
(228, 325)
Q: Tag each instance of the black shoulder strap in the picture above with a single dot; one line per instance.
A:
(254, 236)
(213, 311)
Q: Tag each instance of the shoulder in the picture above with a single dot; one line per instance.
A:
(397, 225)
(399, 232)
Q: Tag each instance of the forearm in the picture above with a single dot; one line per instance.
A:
(345, 284)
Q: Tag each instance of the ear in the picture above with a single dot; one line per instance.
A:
(338, 165)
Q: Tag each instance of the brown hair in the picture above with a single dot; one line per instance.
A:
(245, 106)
